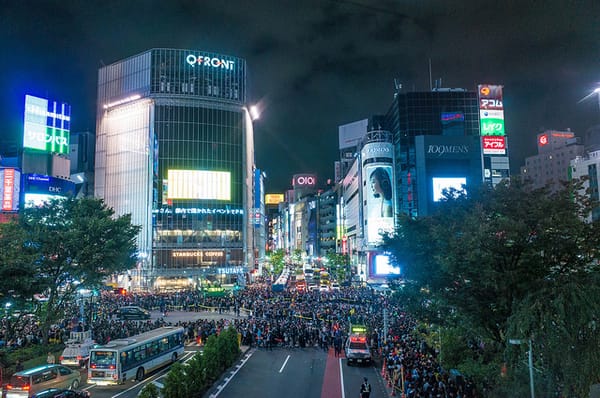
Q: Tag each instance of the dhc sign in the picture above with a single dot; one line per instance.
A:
(212, 62)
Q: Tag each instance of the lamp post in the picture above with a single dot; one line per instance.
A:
(530, 361)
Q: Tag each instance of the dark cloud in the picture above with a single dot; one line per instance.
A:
(316, 64)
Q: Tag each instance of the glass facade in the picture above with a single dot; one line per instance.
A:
(452, 112)
(172, 150)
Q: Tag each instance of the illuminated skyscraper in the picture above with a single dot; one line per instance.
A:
(174, 147)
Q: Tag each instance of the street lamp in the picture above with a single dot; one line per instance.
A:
(519, 342)
(595, 92)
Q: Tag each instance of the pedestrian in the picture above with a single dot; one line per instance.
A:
(18, 366)
(51, 360)
(365, 389)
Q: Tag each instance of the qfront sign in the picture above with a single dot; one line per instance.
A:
(210, 62)
(47, 125)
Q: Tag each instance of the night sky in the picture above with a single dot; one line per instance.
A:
(314, 65)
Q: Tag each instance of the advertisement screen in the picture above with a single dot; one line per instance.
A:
(199, 184)
(380, 265)
(273, 198)
(10, 186)
(46, 125)
(492, 122)
(441, 184)
(493, 145)
(379, 198)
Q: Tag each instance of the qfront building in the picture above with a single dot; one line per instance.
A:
(174, 148)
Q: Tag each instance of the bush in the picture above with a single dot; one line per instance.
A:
(220, 352)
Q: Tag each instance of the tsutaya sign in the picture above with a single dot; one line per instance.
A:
(211, 62)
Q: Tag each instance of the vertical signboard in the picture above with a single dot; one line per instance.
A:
(491, 118)
(10, 186)
(491, 110)
(46, 125)
(378, 190)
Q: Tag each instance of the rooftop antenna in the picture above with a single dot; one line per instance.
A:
(430, 82)
(397, 84)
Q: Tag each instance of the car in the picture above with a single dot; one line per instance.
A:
(357, 350)
(77, 353)
(133, 312)
(62, 393)
(32, 381)
(324, 288)
(335, 286)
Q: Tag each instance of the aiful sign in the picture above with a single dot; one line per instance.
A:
(210, 62)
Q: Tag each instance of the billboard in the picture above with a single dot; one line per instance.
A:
(381, 266)
(41, 188)
(304, 180)
(10, 186)
(273, 198)
(442, 184)
(199, 184)
(493, 145)
(491, 109)
(46, 125)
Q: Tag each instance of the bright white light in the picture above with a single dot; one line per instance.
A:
(254, 113)
(122, 101)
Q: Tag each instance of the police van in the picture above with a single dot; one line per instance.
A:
(357, 347)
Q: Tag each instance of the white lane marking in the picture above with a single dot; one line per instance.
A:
(342, 378)
(284, 363)
(222, 387)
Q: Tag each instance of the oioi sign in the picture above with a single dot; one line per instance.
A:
(47, 125)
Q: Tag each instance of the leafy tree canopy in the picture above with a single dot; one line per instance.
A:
(67, 244)
(509, 262)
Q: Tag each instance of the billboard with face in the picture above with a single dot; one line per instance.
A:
(378, 190)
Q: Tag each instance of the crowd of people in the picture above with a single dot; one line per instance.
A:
(266, 319)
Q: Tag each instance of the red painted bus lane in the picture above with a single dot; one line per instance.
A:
(332, 381)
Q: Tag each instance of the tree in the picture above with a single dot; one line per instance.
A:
(338, 264)
(78, 243)
(177, 382)
(278, 261)
(510, 262)
(149, 391)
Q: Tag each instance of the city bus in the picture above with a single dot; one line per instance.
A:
(133, 357)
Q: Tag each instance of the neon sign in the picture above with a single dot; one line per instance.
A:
(47, 125)
(212, 62)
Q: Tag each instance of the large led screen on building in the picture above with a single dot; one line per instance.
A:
(10, 186)
(199, 184)
(380, 265)
(379, 199)
(41, 188)
(443, 184)
(46, 125)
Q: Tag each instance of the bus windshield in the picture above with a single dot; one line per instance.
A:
(102, 358)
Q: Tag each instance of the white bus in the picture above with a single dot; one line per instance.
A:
(133, 357)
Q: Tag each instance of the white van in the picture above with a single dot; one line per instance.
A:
(77, 350)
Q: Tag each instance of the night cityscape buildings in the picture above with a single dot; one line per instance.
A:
(174, 147)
